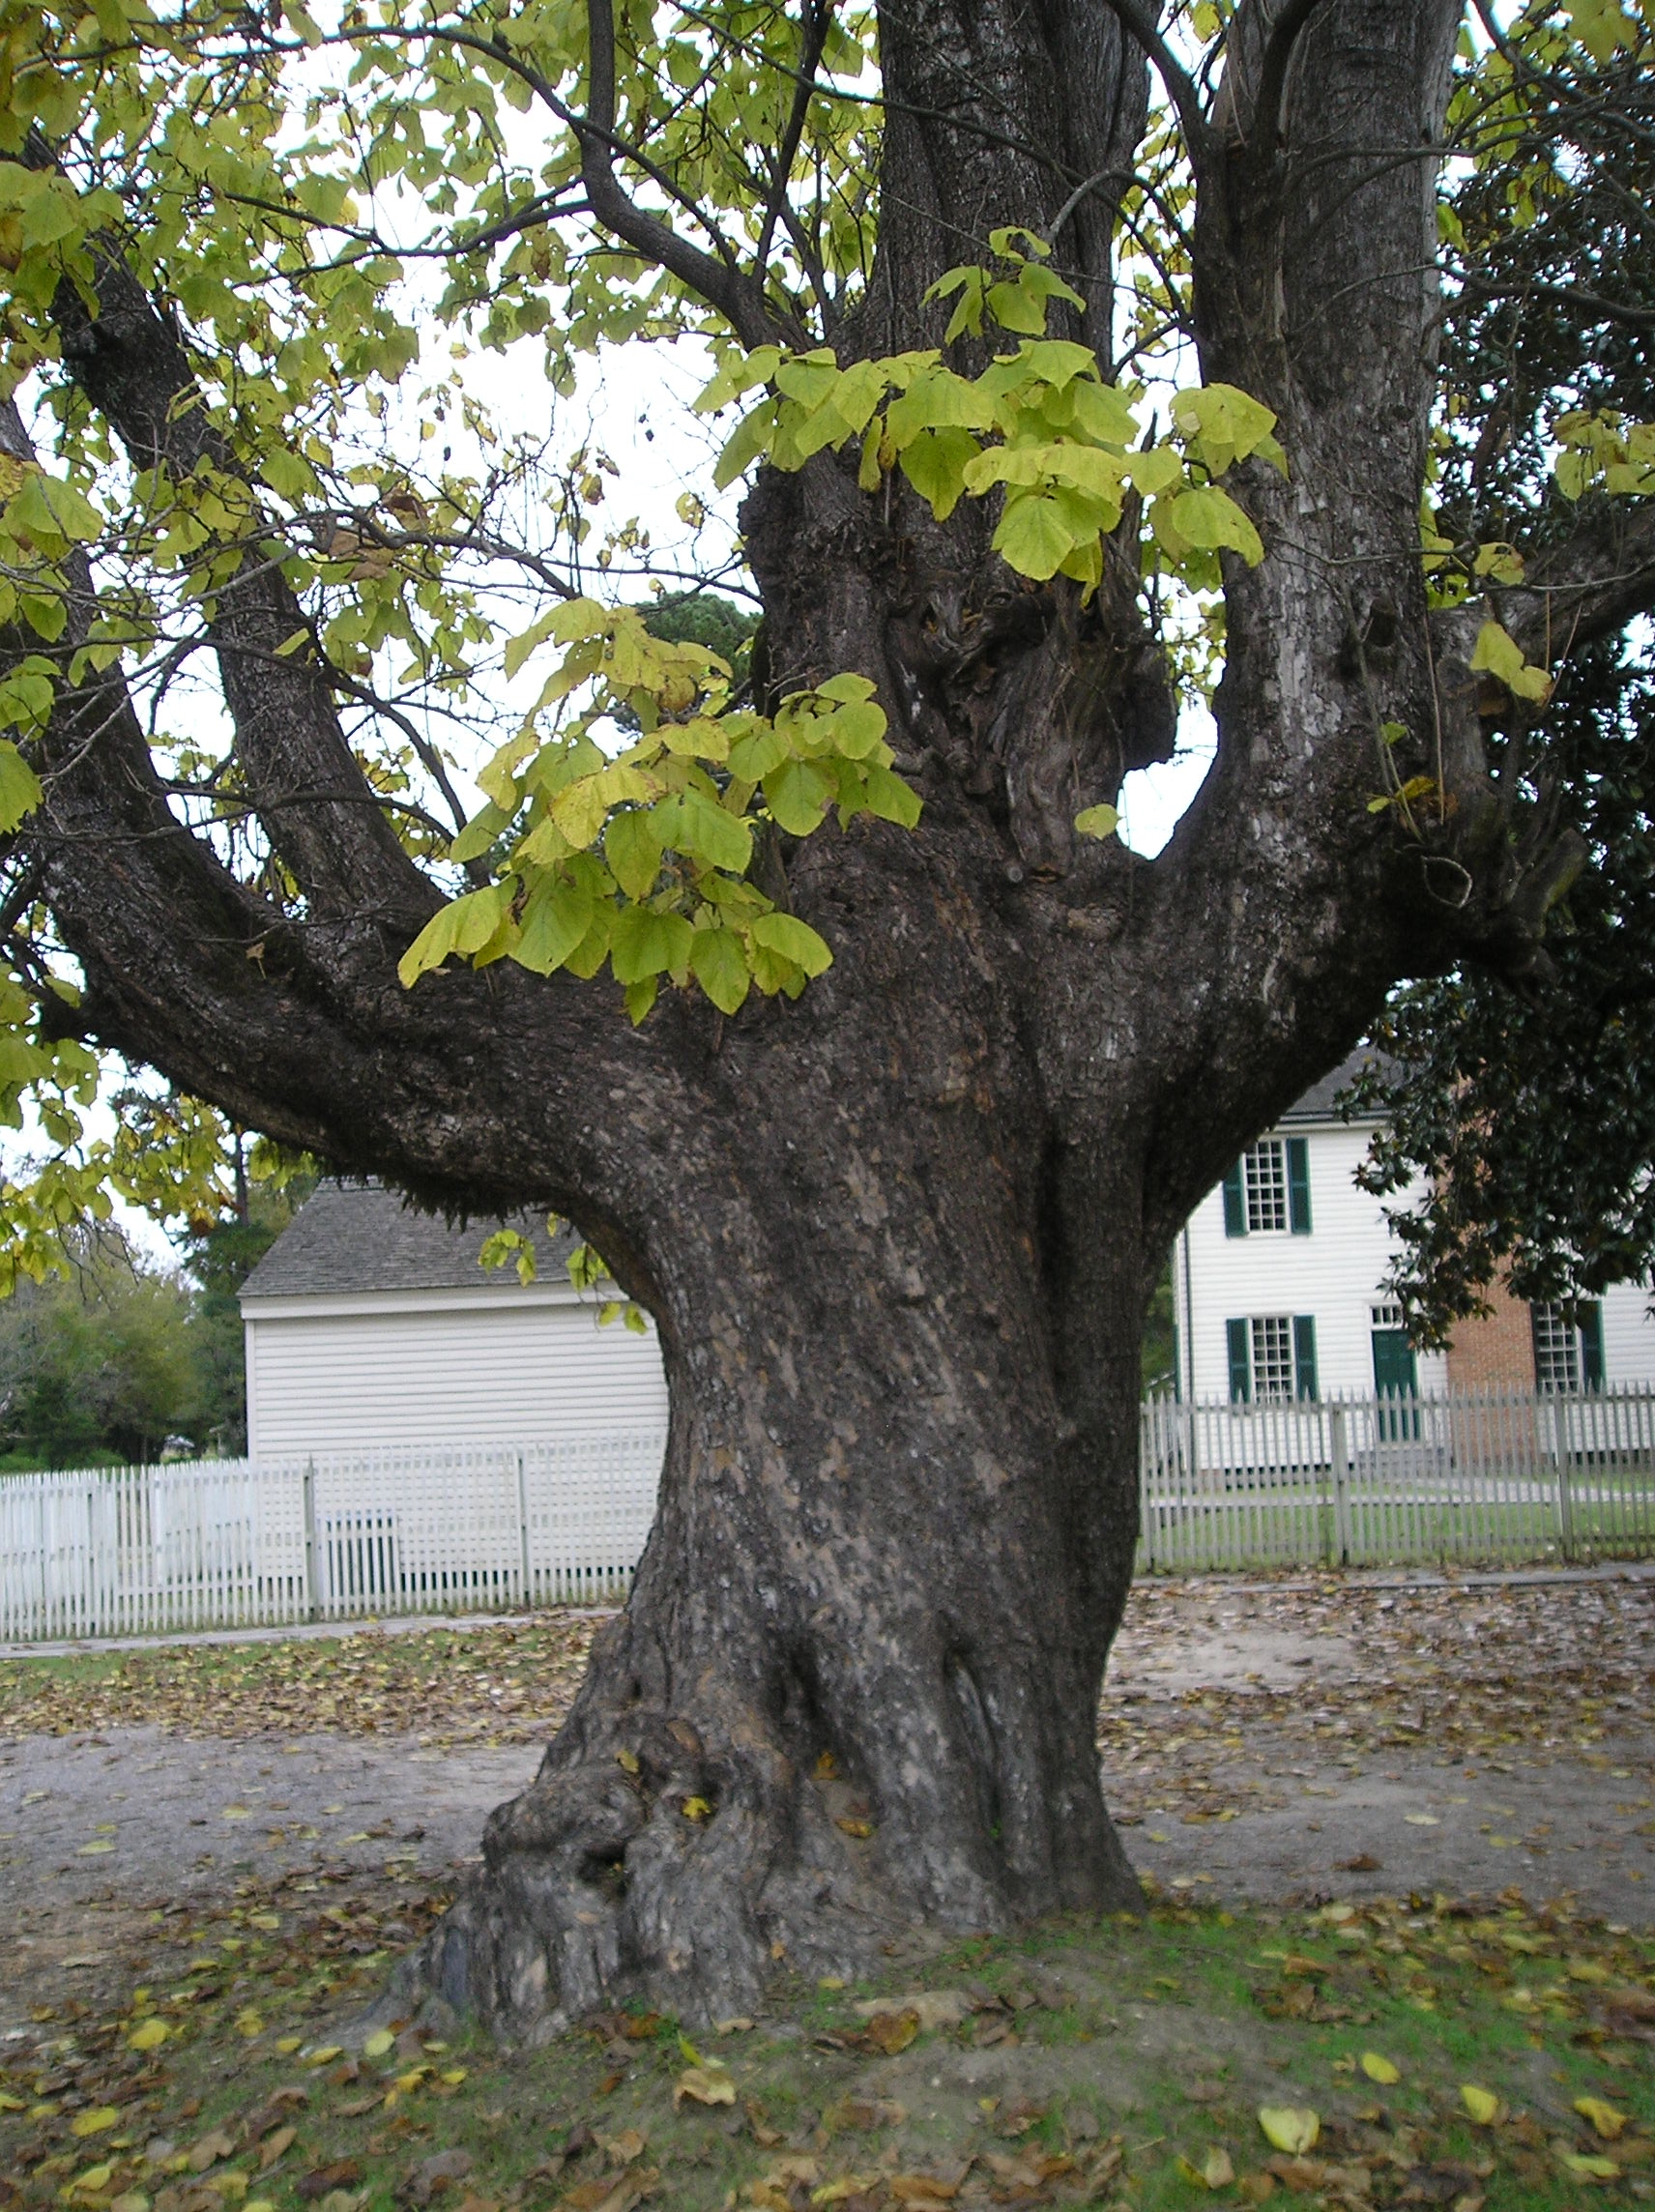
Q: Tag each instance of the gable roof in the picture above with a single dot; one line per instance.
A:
(361, 1237)
(1317, 1104)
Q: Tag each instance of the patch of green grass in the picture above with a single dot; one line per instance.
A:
(1093, 2063)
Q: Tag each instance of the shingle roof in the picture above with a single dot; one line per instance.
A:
(359, 1237)
(1317, 1104)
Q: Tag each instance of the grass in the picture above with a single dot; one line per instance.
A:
(1093, 2057)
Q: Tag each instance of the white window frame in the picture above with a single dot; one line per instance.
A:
(1264, 1185)
(1275, 1370)
(1557, 1361)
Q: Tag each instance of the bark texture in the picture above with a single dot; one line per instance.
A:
(898, 1236)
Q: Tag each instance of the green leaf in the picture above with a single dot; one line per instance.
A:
(479, 834)
(643, 943)
(1015, 309)
(47, 508)
(798, 794)
(722, 840)
(858, 730)
(794, 939)
(1498, 653)
(935, 463)
(1208, 517)
(556, 917)
(750, 438)
(1032, 537)
(464, 925)
(720, 966)
(752, 758)
(640, 999)
(633, 848)
(889, 798)
(1098, 821)
(19, 786)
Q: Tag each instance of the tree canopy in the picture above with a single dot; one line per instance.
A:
(307, 199)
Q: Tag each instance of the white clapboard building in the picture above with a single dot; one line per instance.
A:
(373, 1329)
(1279, 1289)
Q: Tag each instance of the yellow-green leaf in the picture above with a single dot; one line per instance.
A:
(1380, 2069)
(704, 2086)
(1098, 821)
(720, 966)
(794, 939)
(1605, 2118)
(1289, 2128)
(19, 786)
(1484, 2106)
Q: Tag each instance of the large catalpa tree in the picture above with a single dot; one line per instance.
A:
(1079, 353)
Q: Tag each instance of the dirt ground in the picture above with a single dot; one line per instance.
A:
(1268, 1741)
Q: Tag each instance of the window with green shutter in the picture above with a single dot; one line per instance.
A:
(1304, 1355)
(1234, 1203)
(1298, 1187)
(1240, 1362)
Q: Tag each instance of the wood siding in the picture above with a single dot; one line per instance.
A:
(423, 1368)
(1334, 1276)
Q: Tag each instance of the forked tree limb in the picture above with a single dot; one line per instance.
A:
(717, 280)
(317, 806)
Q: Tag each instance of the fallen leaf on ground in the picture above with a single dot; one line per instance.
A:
(1484, 2106)
(930, 2008)
(1606, 2120)
(1378, 2068)
(894, 2031)
(275, 2145)
(704, 2086)
(1289, 2128)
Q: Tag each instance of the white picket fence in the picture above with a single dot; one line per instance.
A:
(1486, 1475)
(223, 1543)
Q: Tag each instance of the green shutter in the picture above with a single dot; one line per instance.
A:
(1304, 1355)
(1240, 1363)
(1298, 1187)
(1591, 1345)
(1234, 1203)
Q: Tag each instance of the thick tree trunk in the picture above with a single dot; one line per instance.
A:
(856, 1682)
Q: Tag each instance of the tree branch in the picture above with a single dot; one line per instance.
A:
(134, 369)
(739, 298)
(1138, 21)
(1269, 95)
(818, 14)
(1593, 585)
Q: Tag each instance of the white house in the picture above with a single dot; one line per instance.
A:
(1278, 1288)
(370, 1327)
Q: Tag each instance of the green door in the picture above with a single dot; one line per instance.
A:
(1395, 1376)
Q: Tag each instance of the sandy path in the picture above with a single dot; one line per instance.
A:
(1257, 1740)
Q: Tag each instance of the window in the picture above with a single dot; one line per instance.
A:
(1567, 1357)
(1272, 1355)
(1272, 1358)
(1266, 1193)
(1267, 1187)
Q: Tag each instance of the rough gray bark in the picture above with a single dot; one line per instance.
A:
(898, 1236)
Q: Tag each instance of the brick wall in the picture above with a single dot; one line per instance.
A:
(1496, 1353)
